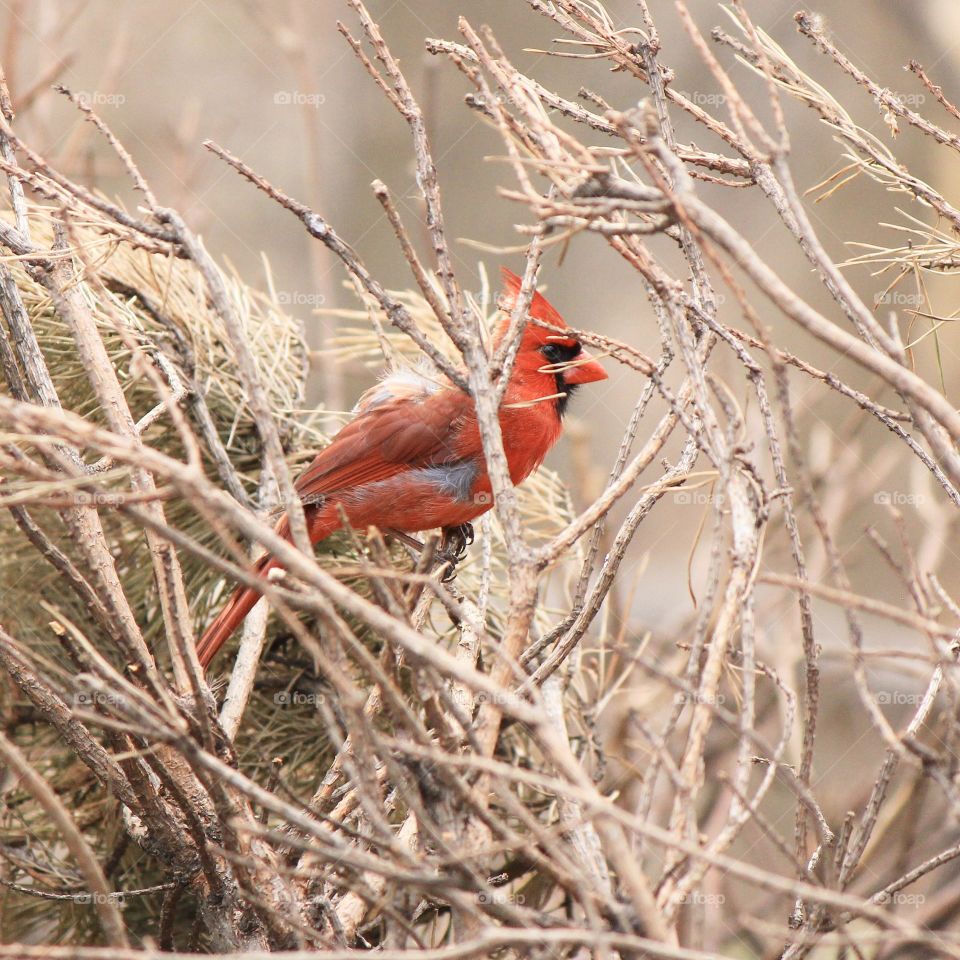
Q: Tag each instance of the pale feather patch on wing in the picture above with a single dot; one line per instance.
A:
(453, 479)
(407, 383)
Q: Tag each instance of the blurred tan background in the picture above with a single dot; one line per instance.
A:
(276, 84)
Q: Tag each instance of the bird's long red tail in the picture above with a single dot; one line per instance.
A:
(320, 524)
(243, 600)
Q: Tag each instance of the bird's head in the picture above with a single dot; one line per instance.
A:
(549, 360)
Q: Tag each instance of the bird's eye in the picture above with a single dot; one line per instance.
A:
(560, 353)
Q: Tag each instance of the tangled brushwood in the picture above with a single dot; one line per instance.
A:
(506, 763)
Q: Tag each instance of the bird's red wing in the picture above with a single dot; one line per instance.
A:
(386, 440)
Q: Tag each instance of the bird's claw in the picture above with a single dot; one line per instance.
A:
(453, 547)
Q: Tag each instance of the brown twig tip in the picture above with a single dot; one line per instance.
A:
(6, 104)
(936, 90)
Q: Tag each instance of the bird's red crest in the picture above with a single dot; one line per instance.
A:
(540, 308)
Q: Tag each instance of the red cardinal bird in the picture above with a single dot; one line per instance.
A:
(411, 458)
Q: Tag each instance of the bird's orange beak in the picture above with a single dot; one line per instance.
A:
(587, 370)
